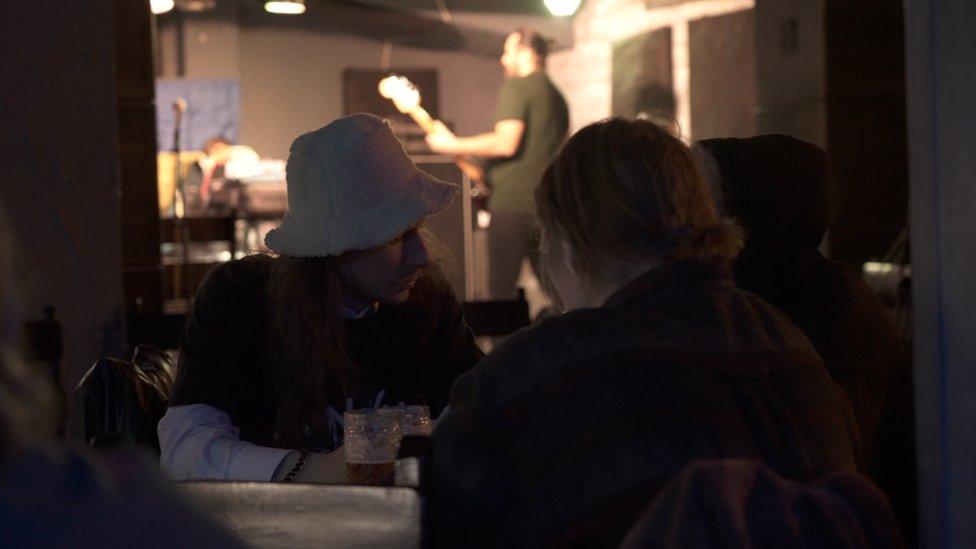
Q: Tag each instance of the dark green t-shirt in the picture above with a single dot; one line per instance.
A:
(534, 100)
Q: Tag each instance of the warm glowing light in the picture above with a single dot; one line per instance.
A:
(562, 8)
(160, 6)
(288, 7)
(197, 6)
(401, 91)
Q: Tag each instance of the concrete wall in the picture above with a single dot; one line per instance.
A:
(722, 81)
(59, 172)
(285, 94)
(558, 29)
(585, 71)
(790, 69)
(291, 80)
(642, 82)
(788, 64)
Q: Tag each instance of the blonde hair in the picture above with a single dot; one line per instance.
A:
(629, 191)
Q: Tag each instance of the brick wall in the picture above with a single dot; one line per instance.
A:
(585, 71)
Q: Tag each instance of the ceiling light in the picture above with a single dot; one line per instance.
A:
(289, 7)
(160, 6)
(562, 8)
(196, 6)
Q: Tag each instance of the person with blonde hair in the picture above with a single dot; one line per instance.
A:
(567, 431)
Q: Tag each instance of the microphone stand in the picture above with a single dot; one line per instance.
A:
(180, 229)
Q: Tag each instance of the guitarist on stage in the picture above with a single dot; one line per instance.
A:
(531, 121)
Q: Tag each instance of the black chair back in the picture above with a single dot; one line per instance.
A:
(120, 401)
(43, 346)
(160, 330)
(497, 318)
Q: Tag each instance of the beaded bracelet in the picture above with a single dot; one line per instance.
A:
(298, 465)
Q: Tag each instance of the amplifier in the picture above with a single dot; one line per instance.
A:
(451, 229)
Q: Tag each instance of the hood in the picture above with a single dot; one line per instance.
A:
(777, 187)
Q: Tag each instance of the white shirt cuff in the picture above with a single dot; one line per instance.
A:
(256, 463)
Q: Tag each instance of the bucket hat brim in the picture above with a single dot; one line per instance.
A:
(422, 197)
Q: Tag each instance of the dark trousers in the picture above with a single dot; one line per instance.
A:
(511, 237)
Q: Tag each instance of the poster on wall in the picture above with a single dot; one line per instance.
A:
(213, 108)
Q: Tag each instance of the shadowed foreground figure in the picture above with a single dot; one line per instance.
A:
(56, 496)
(780, 190)
(565, 433)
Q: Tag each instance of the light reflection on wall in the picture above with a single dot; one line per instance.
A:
(584, 71)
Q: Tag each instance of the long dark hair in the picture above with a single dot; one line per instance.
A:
(306, 342)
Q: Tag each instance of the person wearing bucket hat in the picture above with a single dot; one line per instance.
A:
(351, 186)
(346, 312)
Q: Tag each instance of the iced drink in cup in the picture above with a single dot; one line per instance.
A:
(416, 431)
(371, 441)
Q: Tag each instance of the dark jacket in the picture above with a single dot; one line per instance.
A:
(715, 504)
(565, 433)
(781, 191)
(408, 353)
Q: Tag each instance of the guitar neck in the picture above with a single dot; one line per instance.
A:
(422, 118)
(426, 123)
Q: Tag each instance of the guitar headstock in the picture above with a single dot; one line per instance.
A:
(400, 90)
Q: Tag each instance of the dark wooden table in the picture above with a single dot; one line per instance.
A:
(309, 515)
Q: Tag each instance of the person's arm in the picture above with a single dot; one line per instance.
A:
(502, 142)
(468, 479)
(506, 137)
(200, 442)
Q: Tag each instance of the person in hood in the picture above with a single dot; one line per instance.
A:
(781, 191)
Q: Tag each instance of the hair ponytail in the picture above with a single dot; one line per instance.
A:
(722, 239)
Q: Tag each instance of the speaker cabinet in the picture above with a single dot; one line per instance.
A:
(447, 228)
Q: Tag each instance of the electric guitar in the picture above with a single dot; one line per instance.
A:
(406, 97)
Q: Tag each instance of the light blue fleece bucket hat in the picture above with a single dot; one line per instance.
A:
(351, 186)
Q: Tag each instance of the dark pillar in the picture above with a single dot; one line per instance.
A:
(59, 183)
(866, 134)
(139, 206)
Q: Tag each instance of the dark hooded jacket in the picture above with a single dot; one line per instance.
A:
(565, 432)
(780, 190)
(719, 503)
